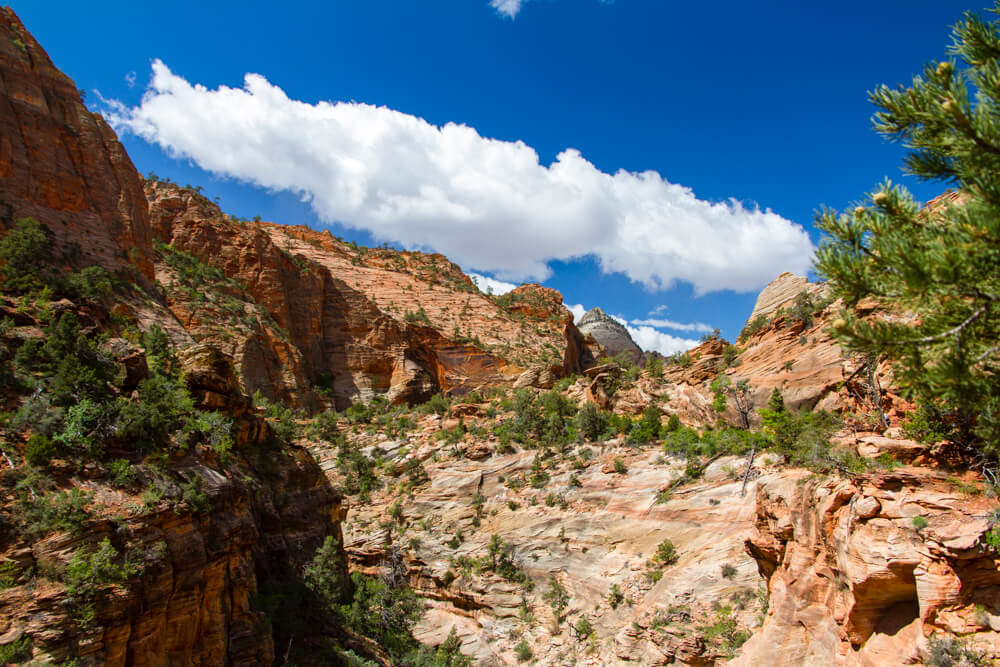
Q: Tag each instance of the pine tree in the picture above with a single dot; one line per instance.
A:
(935, 269)
(776, 403)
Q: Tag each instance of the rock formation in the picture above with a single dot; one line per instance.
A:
(780, 292)
(610, 334)
(304, 313)
(575, 539)
(63, 165)
(863, 571)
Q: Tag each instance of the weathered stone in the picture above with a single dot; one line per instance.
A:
(63, 165)
(610, 333)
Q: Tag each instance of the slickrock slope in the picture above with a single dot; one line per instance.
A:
(863, 571)
(589, 527)
(63, 165)
(306, 315)
(610, 333)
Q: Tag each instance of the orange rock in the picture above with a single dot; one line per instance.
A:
(63, 165)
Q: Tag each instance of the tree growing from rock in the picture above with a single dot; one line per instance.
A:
(739, 393)
(934, 268)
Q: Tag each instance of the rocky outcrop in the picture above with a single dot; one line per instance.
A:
(863, 571)
(781, 292)
(200, 557)
(63, 165)
(303, 313)
(609, 333)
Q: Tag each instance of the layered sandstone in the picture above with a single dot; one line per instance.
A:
(307, 316)
(63, 165)
(863, 571)
(200, 564)
(781, 292)
(610, 333)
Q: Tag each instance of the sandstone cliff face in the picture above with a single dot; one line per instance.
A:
(863, 571)
(263, 513)
(63, 165)
(610, 333)
(301, 311)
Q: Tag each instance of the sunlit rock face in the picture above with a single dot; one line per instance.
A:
(610, 333)
(63, 165)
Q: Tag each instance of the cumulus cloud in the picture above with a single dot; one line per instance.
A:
(490, 285)
(649, 339)
(489, 205)
(508, 8)
(676, 326)
(577, 309)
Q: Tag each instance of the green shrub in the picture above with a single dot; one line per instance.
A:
(755, 325)
(93, 283)
(723, 632)
(437, 404)
(619, 466)
(673, 423)
(23, 251)
(123, 473)
(647, 428)
(55, 511)
(281, 419)
(523, 651)
(88, 425)
(326, 574)
(557, 597)
(383, 613)
(40, 450)
(945, 651)
(590, 422)
(192, 493)
(15, 652)
(162, 409)
(448, 654)
(10, 573)
(583, 627)
(728, 571)
(86, 572)
(666, 553)
(615, 596)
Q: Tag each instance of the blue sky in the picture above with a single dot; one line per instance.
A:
(671, 156)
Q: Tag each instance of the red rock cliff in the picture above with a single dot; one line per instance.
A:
(63, 165)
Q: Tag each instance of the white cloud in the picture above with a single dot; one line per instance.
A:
(488, 205)
(508, 8)
(577, 309)
(659, 310)
(649, 338)
(494, 286)
(130, 79)
(676, 326)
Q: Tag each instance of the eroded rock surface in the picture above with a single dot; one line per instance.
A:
(862, 571)
(610, 334)
(63, 165)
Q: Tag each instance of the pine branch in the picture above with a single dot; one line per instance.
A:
(933, 338)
